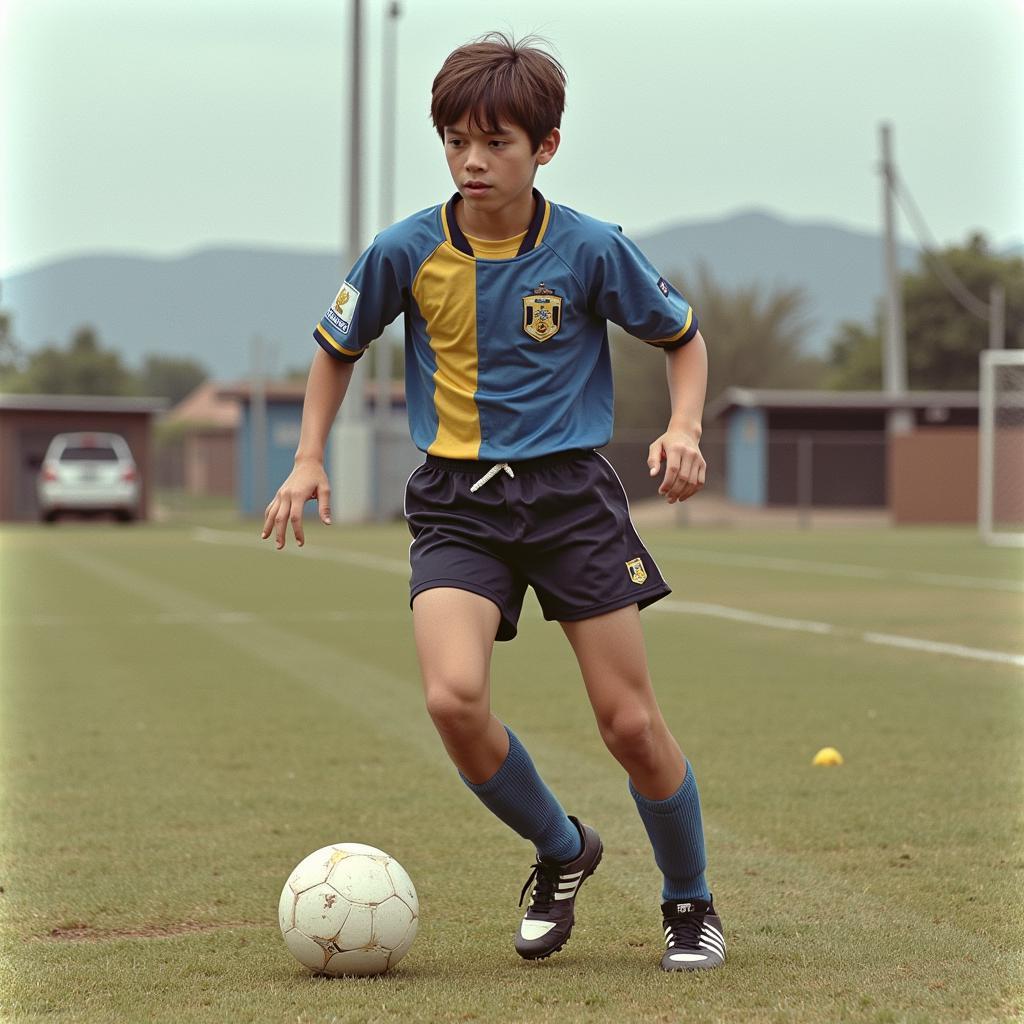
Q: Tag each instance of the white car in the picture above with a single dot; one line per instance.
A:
(88, 472)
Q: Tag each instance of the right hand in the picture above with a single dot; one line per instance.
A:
(306, 480)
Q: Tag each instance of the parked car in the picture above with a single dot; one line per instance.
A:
(88, 472)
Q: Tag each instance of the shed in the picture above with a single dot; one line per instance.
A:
(198, 450)
(29, 422)
(822, 448)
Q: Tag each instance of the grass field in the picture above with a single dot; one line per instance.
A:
(186, 714)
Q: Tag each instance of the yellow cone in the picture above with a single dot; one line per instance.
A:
(828, 755)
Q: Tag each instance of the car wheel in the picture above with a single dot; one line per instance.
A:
(50, 516)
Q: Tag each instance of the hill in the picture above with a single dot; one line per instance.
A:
(208, 304)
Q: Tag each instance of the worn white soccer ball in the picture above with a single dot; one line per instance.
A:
(349, 909)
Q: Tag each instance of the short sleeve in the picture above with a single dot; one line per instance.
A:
(627, 290)
(369, 299)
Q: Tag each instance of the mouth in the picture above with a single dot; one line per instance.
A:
(475, 188)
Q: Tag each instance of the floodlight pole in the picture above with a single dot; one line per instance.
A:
(894, 347)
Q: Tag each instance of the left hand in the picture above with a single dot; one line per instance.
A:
(685, 467)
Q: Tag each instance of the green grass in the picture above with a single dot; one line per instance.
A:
(182, 721)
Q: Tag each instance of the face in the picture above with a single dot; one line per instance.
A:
(494, 169)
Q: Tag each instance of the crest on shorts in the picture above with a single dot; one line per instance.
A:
(542, 313)
(637, 572)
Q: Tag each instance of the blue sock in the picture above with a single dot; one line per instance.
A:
(677, 835)
(517, 795)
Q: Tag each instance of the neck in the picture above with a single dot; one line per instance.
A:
(495, 225)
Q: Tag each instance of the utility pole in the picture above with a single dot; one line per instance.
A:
(258, 427)
(894, 348)
(997, 316)
(352, 409)
(388, 164)
(352, 436)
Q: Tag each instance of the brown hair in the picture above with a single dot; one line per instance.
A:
(495, 78)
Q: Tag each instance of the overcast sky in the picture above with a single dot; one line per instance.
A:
(161, 126)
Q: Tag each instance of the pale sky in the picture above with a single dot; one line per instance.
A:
(162, 126)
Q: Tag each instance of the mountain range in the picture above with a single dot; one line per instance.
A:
(210, 303)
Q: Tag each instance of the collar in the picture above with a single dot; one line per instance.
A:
(534, 233)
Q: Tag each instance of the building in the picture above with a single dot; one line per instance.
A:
(831, 449)
(257, 478)
(29, 422)
(197, 450)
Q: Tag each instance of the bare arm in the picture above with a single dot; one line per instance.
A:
(679, 447)
(325, 389)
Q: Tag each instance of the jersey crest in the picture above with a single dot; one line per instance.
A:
(542, 313)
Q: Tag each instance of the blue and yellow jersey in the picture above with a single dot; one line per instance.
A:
(506, 348)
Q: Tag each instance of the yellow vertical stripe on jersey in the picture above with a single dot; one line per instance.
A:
(445, 292)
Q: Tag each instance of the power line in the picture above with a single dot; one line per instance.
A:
(956, 287)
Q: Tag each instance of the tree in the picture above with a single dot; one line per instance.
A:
(943, 338)
(84, 368)
(755, 339)
(170, 377)
(11, 356)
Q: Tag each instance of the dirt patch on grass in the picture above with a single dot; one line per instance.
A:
(81, 932)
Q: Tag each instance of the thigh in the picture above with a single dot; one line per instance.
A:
(613, 660)
(454, 631)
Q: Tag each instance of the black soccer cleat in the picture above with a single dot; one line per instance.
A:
(693, 936)
(549, 918)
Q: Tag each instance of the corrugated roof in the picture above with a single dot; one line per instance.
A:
(778, 398)
(83, 403)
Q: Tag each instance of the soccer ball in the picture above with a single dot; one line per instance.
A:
(349, 909)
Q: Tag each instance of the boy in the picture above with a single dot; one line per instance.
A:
(508, 385)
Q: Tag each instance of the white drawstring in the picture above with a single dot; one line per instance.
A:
(493, 471)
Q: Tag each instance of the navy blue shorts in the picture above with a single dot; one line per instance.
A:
(561, 525)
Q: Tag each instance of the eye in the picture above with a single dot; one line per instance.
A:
(500, 143)
(455, 143)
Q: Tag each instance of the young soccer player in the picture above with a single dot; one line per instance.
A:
(506, 298)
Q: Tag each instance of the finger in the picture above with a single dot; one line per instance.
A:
(281, 522)
(654, 458)
(686, 478)
(323, 497)
(296, 520)
(673, 460)
(695, 480)
(268, 520)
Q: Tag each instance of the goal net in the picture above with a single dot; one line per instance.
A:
(1001, 447)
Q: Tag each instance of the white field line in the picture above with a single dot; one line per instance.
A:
(225, 617)
(909, 643)
(866, 572)
(689, 607)
(208, 536)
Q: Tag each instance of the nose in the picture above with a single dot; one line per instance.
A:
(476, 158)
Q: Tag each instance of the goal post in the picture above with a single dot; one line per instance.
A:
(1001, 447)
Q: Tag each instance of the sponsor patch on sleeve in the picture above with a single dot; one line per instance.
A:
(344, 309)
(663, 286)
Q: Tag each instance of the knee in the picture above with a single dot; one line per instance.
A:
(456, 710)
(628, 732)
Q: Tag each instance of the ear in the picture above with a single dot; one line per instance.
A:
(548, 147)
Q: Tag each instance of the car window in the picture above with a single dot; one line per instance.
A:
(96, 454)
